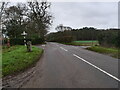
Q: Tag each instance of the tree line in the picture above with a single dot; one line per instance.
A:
(106, 37)
(32, 17)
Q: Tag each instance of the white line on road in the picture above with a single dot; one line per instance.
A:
(97, 67)
(43, 45)
(63, 49)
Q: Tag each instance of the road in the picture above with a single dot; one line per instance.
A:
(64, 66)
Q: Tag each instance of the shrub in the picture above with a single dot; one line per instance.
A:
(64, 39)
(109, 39)
(16, 41)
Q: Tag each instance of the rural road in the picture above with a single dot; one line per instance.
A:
(64, 66)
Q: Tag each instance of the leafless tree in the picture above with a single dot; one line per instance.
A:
(40, 16)
(62, 28)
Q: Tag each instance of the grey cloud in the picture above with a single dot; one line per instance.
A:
(80, 14)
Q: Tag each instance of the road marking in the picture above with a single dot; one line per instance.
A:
(43, 45)
(74, 47)
(97, 68)
(63, 49)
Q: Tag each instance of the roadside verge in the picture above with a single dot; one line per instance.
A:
(114, 52)
(16, 59)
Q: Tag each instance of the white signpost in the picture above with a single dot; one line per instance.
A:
(24, 35)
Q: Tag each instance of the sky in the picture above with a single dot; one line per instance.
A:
(101, 15)
(85, 14)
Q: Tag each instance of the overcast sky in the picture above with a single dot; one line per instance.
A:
(82, 14)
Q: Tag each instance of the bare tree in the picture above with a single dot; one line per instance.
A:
(40, 16)
(62, 28)
(3, 6)
(33, 17)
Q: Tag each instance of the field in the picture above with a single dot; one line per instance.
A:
(83, 43)
(16, 58)
(109, 51)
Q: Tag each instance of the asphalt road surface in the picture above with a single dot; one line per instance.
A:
(64, 66)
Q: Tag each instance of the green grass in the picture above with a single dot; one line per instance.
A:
(16, 58)
(83, 43)
(86, 41)
(109, 51)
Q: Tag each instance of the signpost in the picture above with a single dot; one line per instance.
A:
(24, 35)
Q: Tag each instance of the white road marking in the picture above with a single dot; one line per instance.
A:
(43, 45)
(63, 49)
(97, 68)
(74, 47)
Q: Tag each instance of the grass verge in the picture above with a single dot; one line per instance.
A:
(109, 51)
(16, 58)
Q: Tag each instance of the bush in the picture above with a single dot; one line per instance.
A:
(109, 39)
(37, 41)
(15, 41)
(64, 39)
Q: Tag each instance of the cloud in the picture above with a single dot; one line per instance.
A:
(80, 14)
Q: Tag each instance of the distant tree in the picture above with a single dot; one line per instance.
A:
(85, 33)
(62, 28)
(109, 38)
(59, 28)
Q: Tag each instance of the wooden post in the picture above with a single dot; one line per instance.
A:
(29, 46)
(8, 42)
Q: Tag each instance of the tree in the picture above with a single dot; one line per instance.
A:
(3, 6)
(86, 33)
(32, 17)
(14, 20)
(40, 16)
(62, 28)
(59, 28)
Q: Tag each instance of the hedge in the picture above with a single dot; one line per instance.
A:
(15, 41)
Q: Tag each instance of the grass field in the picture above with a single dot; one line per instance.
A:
(16, 58)
(109, 51)
(83, 43)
